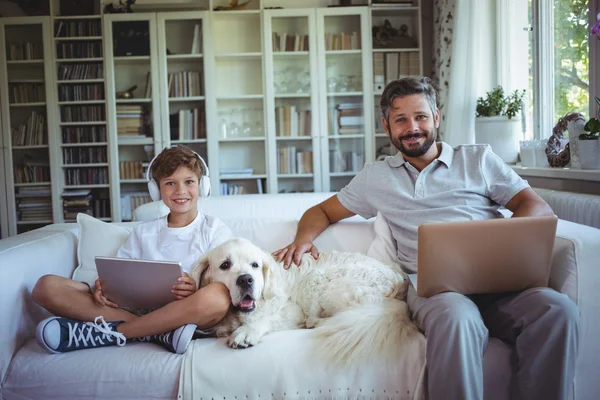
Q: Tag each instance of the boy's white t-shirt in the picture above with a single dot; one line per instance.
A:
(154, 240)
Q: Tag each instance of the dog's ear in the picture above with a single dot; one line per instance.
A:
(198, 272)
(272, 277)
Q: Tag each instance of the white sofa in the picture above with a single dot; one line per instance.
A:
(276, 368)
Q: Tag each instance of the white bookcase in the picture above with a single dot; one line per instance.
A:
(275, 99)
(238, 152)
(134, 123)
(345, 98)
(3, 188)
(79, 102)
(28, 123)
(168, 107)
(291, 71)
(396, 57)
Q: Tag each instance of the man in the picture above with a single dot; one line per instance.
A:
(433, 182)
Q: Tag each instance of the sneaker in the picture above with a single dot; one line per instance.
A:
(59, 335)
(175, 341)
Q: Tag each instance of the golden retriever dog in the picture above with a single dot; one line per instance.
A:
(352, 301)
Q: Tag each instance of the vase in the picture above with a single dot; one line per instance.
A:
(589, 151)
(575, 128)
(502, 134)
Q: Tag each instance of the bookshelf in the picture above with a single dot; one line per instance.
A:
(81, 104)
(275, 100)
(346, 100)
(238, 152)
(3, 205)
(132, 62)
(182, 66)
(28, 124)
(395, 56)
(290, 43)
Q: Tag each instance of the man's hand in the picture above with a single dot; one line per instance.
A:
(294, 251)
(99, 298)
(185, 287)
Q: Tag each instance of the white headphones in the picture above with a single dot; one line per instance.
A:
(203, 185)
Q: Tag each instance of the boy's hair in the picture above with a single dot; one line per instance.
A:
(405, 87)
(167, 162)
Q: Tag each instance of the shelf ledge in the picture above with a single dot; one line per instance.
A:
(558, 173)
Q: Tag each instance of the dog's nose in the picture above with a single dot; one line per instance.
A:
(245, 280)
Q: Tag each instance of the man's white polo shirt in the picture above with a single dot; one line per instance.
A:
(468, 182)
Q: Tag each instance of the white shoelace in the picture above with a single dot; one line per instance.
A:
(83, 332)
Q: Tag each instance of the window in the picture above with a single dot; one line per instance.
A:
(562, 60)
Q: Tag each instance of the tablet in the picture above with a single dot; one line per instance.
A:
(138, 283)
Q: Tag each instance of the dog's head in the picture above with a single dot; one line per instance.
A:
(249, 273)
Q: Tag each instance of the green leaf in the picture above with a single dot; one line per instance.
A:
(592, 126)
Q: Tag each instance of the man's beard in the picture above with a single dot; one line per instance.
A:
(418, 149)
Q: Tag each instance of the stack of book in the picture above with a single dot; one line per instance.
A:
(75, 202)
(289, 121)
(132, 169)
(342, 41)
(34, 204)
(394, 66)
(185, 84)
(289, 42)
(32, 172)
(349, 161)
(188, 124)
(130, 201)
(293, 161)
(129, 119)
(31, 133)
(229, 172)
(347, 119)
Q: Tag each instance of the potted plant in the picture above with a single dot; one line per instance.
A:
(498, 122)
(589, 143)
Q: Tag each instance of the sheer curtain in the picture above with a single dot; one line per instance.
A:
(458, 29)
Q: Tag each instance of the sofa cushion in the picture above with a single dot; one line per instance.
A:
(383, 247)
(136, 371)
(96, 238)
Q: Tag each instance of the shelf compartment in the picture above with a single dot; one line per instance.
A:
(294, 176)
(32, 147)
(84, 59)
(17, 62)
(86, 123)
(81, 102)
(84, 144)
(184, 99)
(175, 57)
(32, 104)
(77, 38)
(84, 165)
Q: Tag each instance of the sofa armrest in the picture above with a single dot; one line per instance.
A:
(576, 272)
(23, 260)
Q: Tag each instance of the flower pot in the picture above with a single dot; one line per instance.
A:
(502, 134)
(589, 152)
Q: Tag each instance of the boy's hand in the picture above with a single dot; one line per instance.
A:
(185, 287)
(99, 298)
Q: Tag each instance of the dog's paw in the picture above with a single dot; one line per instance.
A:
(243, 337)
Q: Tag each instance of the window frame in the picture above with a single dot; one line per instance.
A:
(543, 72)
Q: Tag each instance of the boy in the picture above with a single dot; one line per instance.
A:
(183, 235)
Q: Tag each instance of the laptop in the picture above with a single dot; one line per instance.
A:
(138, 284)
(487, 256)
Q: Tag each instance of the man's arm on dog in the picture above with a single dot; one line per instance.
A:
(314, 221)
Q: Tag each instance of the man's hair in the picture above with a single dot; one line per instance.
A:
(406, 87)
(169, 160)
